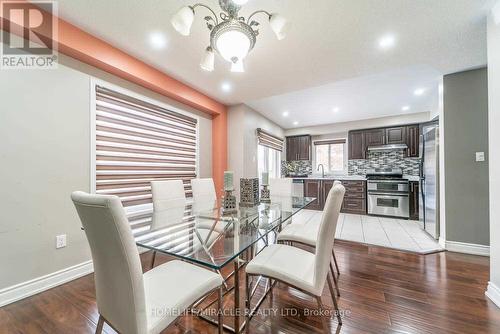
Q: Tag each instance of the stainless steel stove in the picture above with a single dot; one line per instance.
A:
(388, 193)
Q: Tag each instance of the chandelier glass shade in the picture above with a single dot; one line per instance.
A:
(232, 37)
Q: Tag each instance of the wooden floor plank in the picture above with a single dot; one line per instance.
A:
(383, 291)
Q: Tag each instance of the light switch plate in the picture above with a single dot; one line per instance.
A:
(479, 156)
(61, 241)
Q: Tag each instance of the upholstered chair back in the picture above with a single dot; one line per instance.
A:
(117, 267)
(326, 233)
(280, 187)
(168, 194)
(203, 190)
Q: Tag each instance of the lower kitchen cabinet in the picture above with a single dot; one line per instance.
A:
(354, 198)
(414, 200)
(312, 188)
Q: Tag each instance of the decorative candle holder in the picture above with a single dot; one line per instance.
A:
(249, 192)
(265, 194)
(229, 203)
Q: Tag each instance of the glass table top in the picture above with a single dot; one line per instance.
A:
(201, 233)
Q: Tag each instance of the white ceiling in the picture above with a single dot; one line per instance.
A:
(330, 41)
(360, 98)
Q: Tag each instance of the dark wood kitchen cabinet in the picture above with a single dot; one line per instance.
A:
(298, 148)
(354, 198)
(414, 200)
(375, 137)
(413, 140)
(360, 140)
(357, 148)
(395, 135)
(312, 188)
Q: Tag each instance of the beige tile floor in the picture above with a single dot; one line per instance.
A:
(381, 231)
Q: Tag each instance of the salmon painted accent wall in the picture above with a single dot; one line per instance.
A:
(76, 43)
(219, 151)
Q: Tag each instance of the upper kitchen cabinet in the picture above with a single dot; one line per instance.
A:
(375, 137)
(298, 148)
(413, 140)
(395, 135)
(357, 147)
(360, 140)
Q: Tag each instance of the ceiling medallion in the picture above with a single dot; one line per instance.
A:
(232, 36)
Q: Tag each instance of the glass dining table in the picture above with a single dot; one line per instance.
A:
(200, 233)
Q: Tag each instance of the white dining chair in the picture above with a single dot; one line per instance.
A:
(307, 234)
(300, 269)
(281, 187)
(128, 300)
(168, 194)
(203, 190)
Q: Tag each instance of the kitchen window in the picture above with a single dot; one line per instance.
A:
(332, 154)
(137, 140)
(269, 154)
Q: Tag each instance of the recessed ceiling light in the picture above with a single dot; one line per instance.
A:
(419, 91)
(336, 109)
(158, 40)
(226, 87)
(285, 113)
(295, 123)
(405, 108)
(387, 42)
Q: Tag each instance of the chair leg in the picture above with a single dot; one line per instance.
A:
(334, 280)
(323, 319)
(247, 303)
(335, 304)
(153, 260)
(335, 261)
(270, 293)
(221, 310)
(100, 324)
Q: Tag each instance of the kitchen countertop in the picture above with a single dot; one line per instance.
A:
(336, 177)
(350, 177)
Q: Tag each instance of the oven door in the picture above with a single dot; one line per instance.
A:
(388, 185)
(386, 204)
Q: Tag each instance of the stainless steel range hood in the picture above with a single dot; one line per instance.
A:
(393, 147)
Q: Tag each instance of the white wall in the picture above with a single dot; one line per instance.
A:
(45, 155)
(243, 122)
(494, 142)
(341, 129)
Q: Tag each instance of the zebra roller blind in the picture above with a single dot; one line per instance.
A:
(138, 142)
(269, 140)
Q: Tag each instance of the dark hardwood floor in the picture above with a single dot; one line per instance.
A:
(383, 291)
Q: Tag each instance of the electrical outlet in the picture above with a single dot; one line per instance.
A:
(480, 156)
(61, 241)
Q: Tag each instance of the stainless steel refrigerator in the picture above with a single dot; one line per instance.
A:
(429, 179)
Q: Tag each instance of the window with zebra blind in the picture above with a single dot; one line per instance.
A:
(138, 140)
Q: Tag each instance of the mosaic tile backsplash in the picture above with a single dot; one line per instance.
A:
(394, 159)
(297, 167)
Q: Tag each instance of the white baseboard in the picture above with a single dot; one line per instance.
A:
(493, 293)
(442, 242)
(37, 285)
(462, 247)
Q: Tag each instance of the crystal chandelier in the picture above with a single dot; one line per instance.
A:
(231, 36)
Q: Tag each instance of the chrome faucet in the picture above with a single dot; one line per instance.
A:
(322, 170)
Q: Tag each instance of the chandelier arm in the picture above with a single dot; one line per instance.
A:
(258, 12)
(205, 6)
